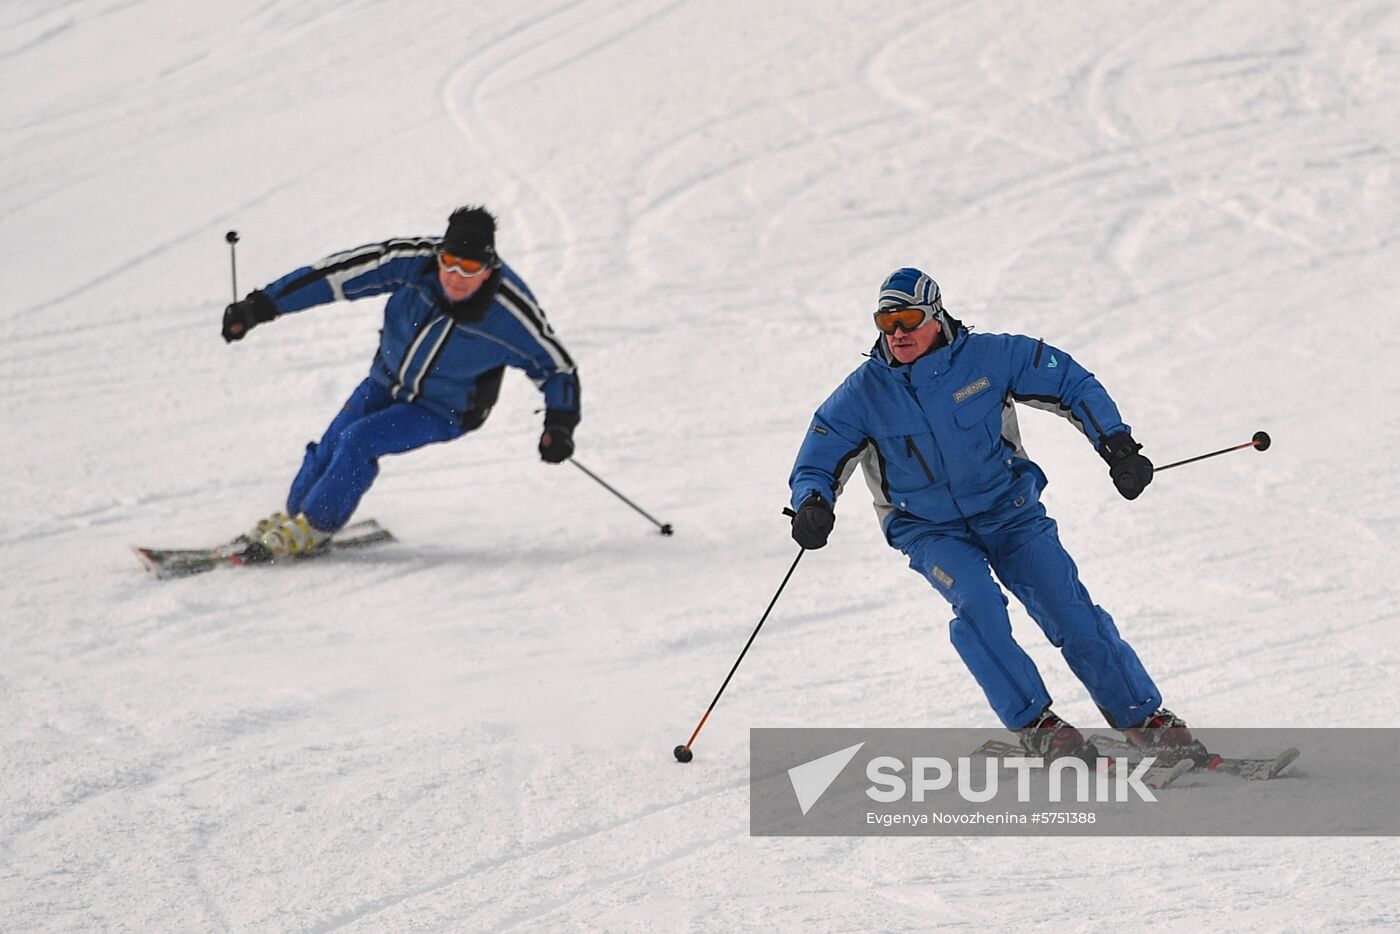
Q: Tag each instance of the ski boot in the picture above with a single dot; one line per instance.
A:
(1166, 736)
(286, 537)
(276, 520)
(1049, 737)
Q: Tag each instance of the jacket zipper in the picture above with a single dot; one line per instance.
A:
(913, 449)
(1095, 421)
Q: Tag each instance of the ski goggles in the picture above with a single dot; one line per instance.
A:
(909, 318)
(462, 266)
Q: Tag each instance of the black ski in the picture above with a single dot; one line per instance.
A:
(167, 563)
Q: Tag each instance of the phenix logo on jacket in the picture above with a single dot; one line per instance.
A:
(447, 358)
(938, 438)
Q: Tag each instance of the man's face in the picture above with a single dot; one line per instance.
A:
(908, 346)
(457, 287)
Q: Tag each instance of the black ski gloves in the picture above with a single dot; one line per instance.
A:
(1130, 471)
(557, 442)
(812, 524)
(242, 317)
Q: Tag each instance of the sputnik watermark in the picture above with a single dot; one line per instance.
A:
(1111, 779)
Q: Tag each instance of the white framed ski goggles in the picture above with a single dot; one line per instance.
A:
(463, 266)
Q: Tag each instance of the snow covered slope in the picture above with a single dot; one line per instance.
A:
(472, 730)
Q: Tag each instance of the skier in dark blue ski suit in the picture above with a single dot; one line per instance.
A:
(456, 317)
(931, 419)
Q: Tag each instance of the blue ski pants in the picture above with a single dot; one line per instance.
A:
(339, 470)
(1022, 546)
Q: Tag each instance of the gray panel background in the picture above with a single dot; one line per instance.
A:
(1343, 784)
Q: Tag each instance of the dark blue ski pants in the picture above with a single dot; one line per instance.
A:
(338, 470)
(1022, 546)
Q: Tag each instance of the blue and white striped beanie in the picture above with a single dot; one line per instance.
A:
(912, 287)
(909, 286)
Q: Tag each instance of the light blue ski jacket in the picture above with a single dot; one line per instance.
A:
(938, 439)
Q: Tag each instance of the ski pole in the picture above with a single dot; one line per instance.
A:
(1260, 442)
(232, 238)
(664, 526)
(683, 753)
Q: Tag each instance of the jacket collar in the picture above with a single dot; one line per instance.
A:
(473, 309)
(929, 365)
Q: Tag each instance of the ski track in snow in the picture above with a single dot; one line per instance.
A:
(471, 729)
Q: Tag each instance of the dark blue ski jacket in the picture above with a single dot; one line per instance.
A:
(938, 438)
(451, 366)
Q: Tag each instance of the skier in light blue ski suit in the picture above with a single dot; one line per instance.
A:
(931, 419)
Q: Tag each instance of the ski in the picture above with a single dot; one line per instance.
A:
(168, 563)
(1262, 769)
(1156, 778)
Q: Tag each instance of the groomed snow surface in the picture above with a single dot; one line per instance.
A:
(472, 730)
